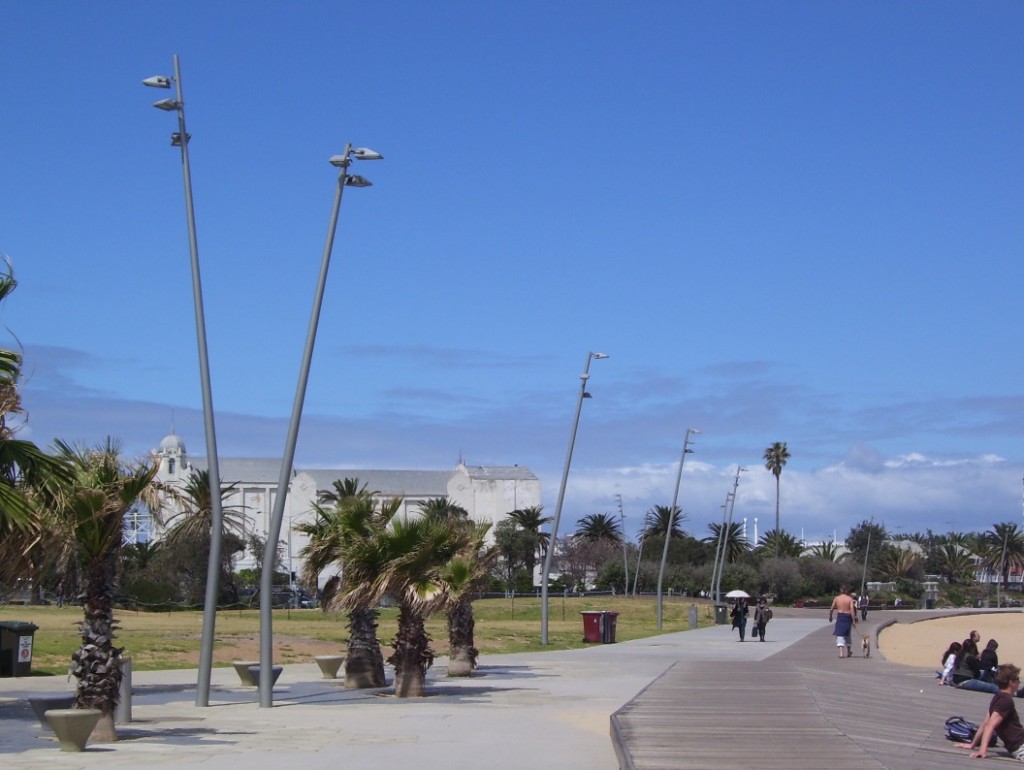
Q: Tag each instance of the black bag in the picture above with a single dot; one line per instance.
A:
(963, 730)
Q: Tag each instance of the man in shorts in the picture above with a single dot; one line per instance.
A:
(845, 611)
(1002, 717)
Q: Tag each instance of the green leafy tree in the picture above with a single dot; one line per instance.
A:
(867, 540)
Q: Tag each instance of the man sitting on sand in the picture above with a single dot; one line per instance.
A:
(1002, 717)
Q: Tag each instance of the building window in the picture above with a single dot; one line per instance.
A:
(170, 466)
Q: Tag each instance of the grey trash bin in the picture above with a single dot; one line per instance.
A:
(721, 614)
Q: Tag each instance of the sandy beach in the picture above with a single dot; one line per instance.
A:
(924, 642)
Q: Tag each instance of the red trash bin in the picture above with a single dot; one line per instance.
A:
(592, 626)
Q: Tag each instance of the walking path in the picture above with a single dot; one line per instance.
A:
(540, 710)
(800, 708)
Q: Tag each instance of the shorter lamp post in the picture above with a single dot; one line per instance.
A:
(546, 575)
(672, 518)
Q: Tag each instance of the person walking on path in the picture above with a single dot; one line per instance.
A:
(843, 610)
(862, 604)
(740, 611)
(762, 614)
(1002, 718)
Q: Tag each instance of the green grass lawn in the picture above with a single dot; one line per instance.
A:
(172, 640)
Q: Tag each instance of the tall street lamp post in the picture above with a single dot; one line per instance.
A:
(546, 574)
(181, 139)
(345, 179)
(671, 518)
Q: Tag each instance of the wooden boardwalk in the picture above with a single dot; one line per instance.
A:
(801, 709)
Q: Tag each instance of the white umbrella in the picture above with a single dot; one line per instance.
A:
(737, 594)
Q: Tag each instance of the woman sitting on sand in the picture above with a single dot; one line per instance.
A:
(950, 662)
(988, 661)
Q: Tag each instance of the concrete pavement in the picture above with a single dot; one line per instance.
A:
(538, 710)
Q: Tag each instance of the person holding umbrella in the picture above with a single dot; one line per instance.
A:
(739, 613)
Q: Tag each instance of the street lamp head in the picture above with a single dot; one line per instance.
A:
(354, 180)
(176, 139)
(693, 430)
(339, 160)
(365, 153)
(599, 355)
(157, 81)
(167, 105)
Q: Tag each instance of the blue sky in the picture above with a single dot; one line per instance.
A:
(793, 222)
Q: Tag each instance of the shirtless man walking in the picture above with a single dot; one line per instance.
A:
(844, 610)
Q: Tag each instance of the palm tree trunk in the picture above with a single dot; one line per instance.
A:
(364, 662)
(412, 656)
(776, 502)
(96, 664)
(462, 653)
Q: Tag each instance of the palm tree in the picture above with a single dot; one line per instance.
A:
(662, 518)
(194, 520)
(896, 562)
(599, 526)
(442, 508)
(405, 562)
(23, 465)
(192, 526)
(531, 520)
(343, 489)
(828, 550)
(351, 519)
(92, 510)
(1003, 550)
(781, 545)
(735, 544)
(464, 576)
(775, 458)
(955, 562)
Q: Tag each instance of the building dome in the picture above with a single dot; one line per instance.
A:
(172, 444)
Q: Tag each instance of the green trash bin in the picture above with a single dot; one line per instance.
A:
(16, 639)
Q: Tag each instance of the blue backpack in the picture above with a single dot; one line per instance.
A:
(963, 730)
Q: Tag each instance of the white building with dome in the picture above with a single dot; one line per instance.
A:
(488, 493)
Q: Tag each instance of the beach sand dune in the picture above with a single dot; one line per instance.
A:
(924, 642)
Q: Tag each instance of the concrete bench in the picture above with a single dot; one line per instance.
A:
(73, 726)
(275, 673)
(42, 703)
(242, 669)
(329, 665)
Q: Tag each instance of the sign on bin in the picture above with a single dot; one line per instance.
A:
(24, 649)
